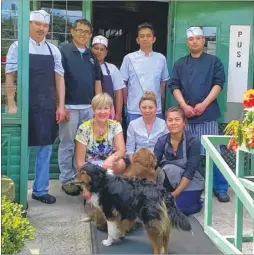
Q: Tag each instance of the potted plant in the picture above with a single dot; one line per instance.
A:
(242, 131)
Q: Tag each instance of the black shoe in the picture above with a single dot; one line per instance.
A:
(71, 189)
(47, 199)
(223, 197)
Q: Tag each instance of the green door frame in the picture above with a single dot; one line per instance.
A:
(21, 118)
(23, 78)
(173, 6)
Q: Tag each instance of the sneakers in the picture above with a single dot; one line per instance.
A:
(47, 199)
(71, 189)
(223, 197)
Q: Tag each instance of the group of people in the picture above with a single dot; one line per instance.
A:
(72, 88)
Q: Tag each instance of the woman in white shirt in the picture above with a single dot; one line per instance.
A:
(112, 82)
(145, 130)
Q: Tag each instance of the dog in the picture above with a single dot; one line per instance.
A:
(143, 166)
(121, 198)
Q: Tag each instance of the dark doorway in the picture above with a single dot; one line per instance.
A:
(118, 21)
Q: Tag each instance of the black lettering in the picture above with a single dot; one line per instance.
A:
(239, 54)
(240, 33)
(239, 44)
(238, 64)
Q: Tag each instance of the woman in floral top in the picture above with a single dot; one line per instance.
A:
(100, 140)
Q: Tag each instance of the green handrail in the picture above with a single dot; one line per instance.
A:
(228, 244)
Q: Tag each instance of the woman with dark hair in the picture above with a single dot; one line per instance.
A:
(178, 155)
(112, 81)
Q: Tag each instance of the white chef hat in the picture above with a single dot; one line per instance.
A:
(194, 31)
(100, 39)
(40, 16)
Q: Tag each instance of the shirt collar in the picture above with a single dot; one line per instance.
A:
(143, 53)
(35, 43)
(183, 137)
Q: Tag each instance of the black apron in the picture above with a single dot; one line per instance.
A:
(107, 83)
(42, 129)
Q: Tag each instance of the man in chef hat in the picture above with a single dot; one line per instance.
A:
(196, 82)
(112, 81)
(46, 83)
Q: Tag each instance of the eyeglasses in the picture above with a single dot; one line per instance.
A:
(81, 31)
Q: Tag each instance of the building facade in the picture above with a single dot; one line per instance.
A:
(228, 28)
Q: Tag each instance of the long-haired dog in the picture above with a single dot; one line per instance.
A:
(121, 198)
(143, 166)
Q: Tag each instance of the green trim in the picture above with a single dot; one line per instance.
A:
(35, 5)
(221, 241)
(208, 192)
(87, 9)
(7, 120)
(239, 186)
(23, 76)
(52, 176)
(246, 238)
(247, 184)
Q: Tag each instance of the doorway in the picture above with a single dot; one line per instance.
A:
(118, 21)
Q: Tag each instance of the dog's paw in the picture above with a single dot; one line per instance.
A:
(106, 242)
(86, 219)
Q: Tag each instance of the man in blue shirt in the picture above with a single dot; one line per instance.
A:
(144, 70)
(82, 81)
(196, 81)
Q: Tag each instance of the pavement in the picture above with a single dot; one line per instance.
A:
(60, 227)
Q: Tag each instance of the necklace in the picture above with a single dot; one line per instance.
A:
(100, 133)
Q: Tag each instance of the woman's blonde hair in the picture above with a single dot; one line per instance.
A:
(101, 100)
(148, 95)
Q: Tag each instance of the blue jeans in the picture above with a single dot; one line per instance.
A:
(220, 185)
(66, 149)
(42, 164)
(132, 116)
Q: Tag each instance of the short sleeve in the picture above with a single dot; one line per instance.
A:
(58, 60)
(125, 69)
(97, 70)
(174, 81)
(117, 79)
(219, 73)
(116, 128)
(131, 140)
(165, 75)
(83, 134)
(12, 59)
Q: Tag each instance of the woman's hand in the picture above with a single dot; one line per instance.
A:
(109, 162)
(175, 194)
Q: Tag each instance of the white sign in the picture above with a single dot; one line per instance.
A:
(238, 66)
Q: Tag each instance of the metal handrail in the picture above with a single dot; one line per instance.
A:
(228, 244)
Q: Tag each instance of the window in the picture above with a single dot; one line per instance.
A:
(9, 34)
(210, 37)
(63, 14)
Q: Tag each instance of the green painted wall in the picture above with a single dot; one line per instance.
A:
(210, 14)
(10, 156)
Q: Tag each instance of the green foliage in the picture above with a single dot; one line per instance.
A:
(15, 228)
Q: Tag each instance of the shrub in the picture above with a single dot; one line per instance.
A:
(15, 228)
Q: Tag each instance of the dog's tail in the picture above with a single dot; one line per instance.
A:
(178, 219)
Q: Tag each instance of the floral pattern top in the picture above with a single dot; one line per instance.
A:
(98, 148)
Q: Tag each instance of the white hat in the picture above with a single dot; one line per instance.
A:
(194, 31)
(100, 39)
(40, 16)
